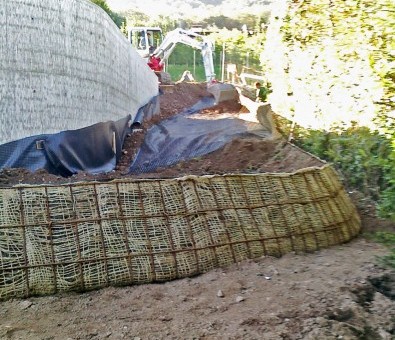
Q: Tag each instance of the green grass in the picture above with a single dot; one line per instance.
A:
(176, 72)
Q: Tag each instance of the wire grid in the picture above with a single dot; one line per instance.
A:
(84, 236)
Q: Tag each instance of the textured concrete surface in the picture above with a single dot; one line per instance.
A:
(65, 65)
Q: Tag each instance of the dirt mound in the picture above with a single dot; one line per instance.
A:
(242, 155)
(177, 97)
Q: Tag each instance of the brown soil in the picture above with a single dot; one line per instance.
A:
(336, 293)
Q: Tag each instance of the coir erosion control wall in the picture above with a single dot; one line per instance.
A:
(65, 65)
(89, 235)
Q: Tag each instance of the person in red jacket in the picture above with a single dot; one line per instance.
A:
(155, 63)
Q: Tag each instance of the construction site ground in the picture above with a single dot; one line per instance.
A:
(338, 293)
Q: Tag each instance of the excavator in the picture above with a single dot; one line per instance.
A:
(190, 38)
(156, 58)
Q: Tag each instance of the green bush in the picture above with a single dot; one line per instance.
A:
(118, 19)
(388, 239)
(364, 158)
(340, 37)
(387, 199)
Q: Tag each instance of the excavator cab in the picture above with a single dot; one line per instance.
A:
(145, 39)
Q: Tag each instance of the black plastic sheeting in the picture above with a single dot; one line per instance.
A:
(94, 149)
(97, 148)
(187, 135)
(147, 112)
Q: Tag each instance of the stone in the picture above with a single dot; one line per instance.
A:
(239, 299)
(220, 294)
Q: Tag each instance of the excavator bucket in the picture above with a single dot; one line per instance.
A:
(223, 92)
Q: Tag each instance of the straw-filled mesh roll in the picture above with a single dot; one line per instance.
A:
(89, 235)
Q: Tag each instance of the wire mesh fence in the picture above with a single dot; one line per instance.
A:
(83, 236)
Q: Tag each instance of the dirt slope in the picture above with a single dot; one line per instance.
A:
(336, 293)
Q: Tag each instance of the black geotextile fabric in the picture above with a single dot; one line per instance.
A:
(93, 149)
(148, 111)
(188, 135)
(97, 148)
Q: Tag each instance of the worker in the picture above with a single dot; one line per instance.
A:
(261, 92)
(155, 63)
(150, 43)
(142, 42)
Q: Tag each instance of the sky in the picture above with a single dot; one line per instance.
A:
(118, 5)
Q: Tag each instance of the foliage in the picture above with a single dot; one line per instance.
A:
(137, 18)
(165, 23)
(199, 10)
(222, 21)
(118, 19)
(241, 48)
(364, 158)
(254, 22)
(185, 55)
(334, 60)
(387, 197)
(372, 24)
(388, 239)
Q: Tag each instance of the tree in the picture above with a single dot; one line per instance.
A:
(331, 64)
(222, 21)
(118, 19)
(136, 18)
(241, 48)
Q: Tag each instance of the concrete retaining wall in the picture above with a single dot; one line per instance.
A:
(65, 65)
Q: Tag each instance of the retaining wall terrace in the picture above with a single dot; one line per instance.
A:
(65, 65)
(90, 235)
